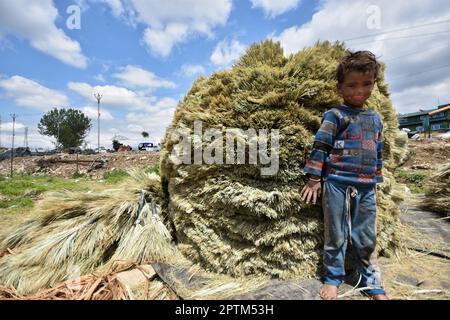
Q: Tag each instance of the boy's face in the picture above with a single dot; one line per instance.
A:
(357, 87)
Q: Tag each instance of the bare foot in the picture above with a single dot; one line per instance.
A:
(329, 292)
(380, 297)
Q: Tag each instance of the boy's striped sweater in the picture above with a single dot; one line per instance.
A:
(348, 147)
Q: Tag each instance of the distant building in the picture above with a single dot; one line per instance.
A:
(433, 120)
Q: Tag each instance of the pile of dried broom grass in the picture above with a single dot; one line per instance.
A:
(230, 218)
(95, 286)
(437, 196)
(78, 233)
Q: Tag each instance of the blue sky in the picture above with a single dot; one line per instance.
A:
(143, 56)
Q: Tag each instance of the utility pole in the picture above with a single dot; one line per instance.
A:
(98, 96)
(57, 139)
(13, 116)
(25, 138)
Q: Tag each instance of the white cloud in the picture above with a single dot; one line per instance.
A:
(162, 41)
(135, 128)
(91, 112)
(28, 93)
(8, 126)
(275, 8)
(35, 139)
(116, 7)
(166, 103)
(190, 70)
(425, 97)
(155, 121)
(227, 52)
(133, 76)
(171, 22)
(99, 77)
(408, 54)
(113, 96)
(162, 108)
(35, 22)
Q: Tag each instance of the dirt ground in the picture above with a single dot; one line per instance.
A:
(427, 154)
(49, 164)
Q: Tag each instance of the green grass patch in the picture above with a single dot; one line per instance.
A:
(154, 168)
(19, 185)
(20, 191)
(115, 176)
(411, 176)
(22, 202)
(414, 179)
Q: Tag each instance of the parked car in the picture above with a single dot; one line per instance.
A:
(39, 152)
(18, 152)
(124, 148)
(102, 150)
(412, 134)
(72, 150)
(148, 146)
(89, 151)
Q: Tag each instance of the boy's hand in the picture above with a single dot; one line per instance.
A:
(311, 191)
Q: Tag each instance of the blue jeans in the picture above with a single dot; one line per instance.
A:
(350, 216)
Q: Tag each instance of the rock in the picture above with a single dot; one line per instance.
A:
(31, 193)
(407, 280)
(445, 284)
(136, 277)
(421, 166)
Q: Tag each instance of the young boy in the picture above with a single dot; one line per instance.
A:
(346, 155)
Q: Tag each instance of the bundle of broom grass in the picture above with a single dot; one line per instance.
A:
(76, 233)
(230, 218)
(437, 196)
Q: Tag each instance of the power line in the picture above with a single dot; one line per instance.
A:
(415, 52)
(405, 37)
(421, 72)
(397, 30)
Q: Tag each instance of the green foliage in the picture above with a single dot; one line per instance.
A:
(145, 134)
(22, 202)
(68, 126)
(116, 144)
(115, 176)
(414, 177)
(20, 191)
(154, 168)
(78, 175)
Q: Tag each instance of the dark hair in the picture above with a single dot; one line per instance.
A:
(362, 61)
